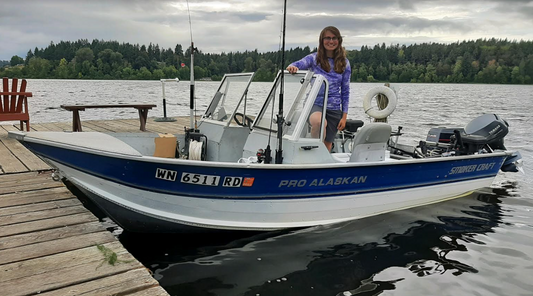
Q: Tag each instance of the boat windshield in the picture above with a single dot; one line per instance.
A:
(296, 85)
(229, 98)
(297, 118)
(301, 92)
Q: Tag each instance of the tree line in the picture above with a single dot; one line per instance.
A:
(474, 61)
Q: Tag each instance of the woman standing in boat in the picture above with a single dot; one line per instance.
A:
(331, 62)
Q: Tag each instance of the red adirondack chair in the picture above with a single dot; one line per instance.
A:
(14, 103)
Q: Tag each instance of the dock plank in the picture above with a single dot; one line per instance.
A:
(121, 126)
(49, 234)
(12, 271)
(38, 127)
(134, 124)
(47, 248)
(20, 182)
(9, 163)
(31, 197)
(30, 208)
(27, 181)
(40, 215)
(164, 127)
(52, 127)
(110, 126)
(96, 125)
(91, 269)
(67, 127)
(51, 223)
(63, 126)
(28, 175)
(131, 281)
(30, 160)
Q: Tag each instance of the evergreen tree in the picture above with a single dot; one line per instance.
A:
(16, 60)
(480, 61)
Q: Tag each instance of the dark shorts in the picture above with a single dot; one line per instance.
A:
(333, 117)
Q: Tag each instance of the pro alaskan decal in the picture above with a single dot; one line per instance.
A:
(166, 174)
(323, 182)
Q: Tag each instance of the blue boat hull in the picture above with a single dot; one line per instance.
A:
(148, 194)
(272, 181)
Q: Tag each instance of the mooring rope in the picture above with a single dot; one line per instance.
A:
(382, 102)
(195, 150)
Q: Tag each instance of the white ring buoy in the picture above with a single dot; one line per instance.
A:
(374, 112)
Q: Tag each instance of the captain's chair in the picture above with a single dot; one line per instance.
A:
(370, 142)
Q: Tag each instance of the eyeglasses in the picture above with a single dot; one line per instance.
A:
(330, 39)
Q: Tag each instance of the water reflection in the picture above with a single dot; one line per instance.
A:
(343, 259)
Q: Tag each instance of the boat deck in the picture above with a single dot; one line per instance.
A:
(50, 244)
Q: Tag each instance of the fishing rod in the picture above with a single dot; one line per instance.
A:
(195, 142)
(281, 119)
(191, 103)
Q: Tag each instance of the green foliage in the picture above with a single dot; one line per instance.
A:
(110, 257)
(40, 68)
(479, 61)
(16, 60)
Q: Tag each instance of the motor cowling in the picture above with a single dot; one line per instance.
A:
(487, 129)
(490, 126)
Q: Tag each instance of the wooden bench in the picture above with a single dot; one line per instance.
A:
(14, 103)
(76, 122)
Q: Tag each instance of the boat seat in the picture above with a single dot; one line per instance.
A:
(370, 142)
(341, 156)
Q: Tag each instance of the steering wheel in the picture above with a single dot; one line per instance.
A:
(246, 122)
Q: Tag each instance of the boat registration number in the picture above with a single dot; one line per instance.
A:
(199, 179)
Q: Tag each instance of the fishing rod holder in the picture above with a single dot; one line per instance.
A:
(165, 118)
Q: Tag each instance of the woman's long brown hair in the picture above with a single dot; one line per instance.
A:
(339, 54)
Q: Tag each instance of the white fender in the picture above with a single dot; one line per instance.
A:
(374, 112)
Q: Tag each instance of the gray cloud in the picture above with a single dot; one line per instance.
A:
(238, 25)
(384, 25)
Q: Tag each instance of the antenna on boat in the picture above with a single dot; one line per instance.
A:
(281, 120)
(195, 142)
(193, 125)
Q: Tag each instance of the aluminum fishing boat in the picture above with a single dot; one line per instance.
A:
(220, 174)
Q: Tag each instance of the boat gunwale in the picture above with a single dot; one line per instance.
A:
(329, 165)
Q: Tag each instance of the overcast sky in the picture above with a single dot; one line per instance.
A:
(239, 25)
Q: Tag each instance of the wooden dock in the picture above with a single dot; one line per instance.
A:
(50, 244)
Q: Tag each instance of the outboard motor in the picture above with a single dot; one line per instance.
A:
(485, 130)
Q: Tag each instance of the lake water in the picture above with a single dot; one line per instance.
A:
(480, 244)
